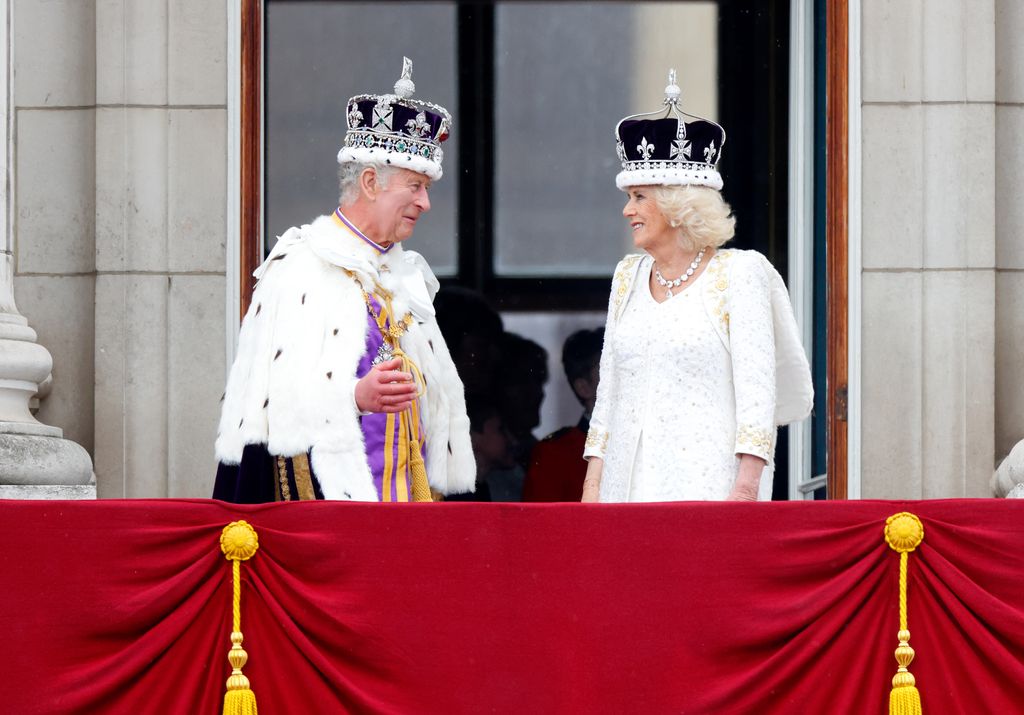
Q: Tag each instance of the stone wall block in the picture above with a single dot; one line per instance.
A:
(54, 53)
(891, 51)
(959, 186)
(958, 56)
(131, 189)
(891, 427)
(893, 184)
(55, 214)
(196, 63)
(958, 380)
(1009, 51)
(131, 51)
(1010, 187)
(197, 186)
(61, 309)
(132, 385)
(196, 369)
(1009, 381)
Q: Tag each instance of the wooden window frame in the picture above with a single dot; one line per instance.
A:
(836, 246)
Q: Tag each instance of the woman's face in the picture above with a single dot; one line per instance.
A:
(650, 229)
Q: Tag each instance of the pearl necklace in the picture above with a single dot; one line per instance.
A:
(675, 283)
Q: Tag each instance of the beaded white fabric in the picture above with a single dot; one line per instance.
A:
(676, 404)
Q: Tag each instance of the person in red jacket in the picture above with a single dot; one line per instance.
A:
(556, 469)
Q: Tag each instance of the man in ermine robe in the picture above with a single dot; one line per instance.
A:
(343, 387)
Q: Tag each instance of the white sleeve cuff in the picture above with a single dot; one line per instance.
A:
(596, 444)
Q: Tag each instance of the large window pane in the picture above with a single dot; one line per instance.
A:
(565, 74)
(318, 55)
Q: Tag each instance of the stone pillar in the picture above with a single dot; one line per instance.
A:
(161, 182)
(1008, 480)
(929, 245)
(35, 461)
(1010, 230)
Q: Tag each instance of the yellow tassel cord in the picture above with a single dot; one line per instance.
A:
(904, 532)
(238, 541)
(409, 422)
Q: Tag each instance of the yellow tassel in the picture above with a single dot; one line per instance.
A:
(420, 485)
(904, 532)
(239, 702)
(417, 469)
(239, 542)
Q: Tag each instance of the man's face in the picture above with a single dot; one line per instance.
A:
(398, 207)
(493, 446)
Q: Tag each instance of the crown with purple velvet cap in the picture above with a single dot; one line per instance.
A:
(669, 147)
(396, 130)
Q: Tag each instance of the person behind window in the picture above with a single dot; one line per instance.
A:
(343, 387)
(522, 374)
(518, 392)
(556, 471)
(492, 445)
(472, 329)
(702, 358)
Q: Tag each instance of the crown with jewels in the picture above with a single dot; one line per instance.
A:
(396, 130)
(669, 147)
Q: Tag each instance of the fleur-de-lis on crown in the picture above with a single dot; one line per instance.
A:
(620, 149)
(709, 153)
(645, 149)
(419, 126)
(681, 147)
(355, 117)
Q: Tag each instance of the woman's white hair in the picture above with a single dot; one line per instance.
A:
(348, 178)
(702, 213)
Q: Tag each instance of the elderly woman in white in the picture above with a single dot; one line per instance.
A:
(702, 358)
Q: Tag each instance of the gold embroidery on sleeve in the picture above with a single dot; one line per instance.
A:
(597, 440)
(754, 438)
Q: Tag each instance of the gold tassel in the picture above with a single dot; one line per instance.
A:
(420, 485)
(417, 469)
(239, 542)
(904, 532)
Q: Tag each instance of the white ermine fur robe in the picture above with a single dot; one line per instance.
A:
(291, 385)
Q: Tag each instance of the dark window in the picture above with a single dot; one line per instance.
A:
(528, 212)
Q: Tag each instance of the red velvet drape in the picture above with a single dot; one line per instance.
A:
(124, 607)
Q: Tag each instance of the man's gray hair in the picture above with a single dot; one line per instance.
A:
(348, 178)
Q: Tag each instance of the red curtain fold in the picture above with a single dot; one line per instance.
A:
(125, 607)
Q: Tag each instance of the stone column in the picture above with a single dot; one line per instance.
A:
(161, 182)
(35, 461)
(929, 244)
(1008, 480)
(1010, 233)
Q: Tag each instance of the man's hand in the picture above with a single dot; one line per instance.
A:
(385, 389)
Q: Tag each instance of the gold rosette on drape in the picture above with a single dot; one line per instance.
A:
(903, 533)
(239, 542)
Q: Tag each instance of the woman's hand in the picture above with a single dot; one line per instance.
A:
(748, 479)
(592, 482)
(385, 388)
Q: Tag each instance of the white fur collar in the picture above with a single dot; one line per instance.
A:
(404, 273)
